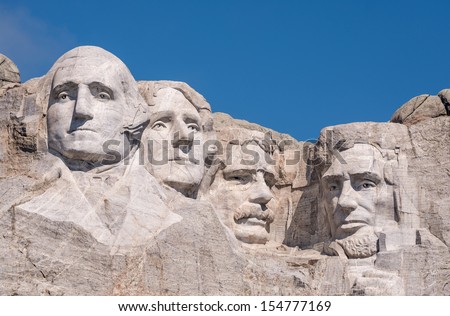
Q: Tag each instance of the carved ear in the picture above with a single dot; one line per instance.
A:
(388, 172)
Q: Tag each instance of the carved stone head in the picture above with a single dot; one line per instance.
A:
(241, 188)
(360, 181)
(95, 113)
(175, 139)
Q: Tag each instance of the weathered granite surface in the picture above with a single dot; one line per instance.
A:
(185, 201)
(9, 73)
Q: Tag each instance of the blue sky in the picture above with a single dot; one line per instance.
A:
(293, 66)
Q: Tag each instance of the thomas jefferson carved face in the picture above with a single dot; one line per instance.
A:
(357, 199)
(241, 191)
(175, 140)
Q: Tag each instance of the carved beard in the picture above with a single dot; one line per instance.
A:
(360, 245)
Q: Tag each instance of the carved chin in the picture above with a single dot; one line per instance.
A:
(359, 245)
(180, 177)
(83, 154)
(251, 235)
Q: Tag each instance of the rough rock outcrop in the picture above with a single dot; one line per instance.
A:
(9, 73)
(421, 107)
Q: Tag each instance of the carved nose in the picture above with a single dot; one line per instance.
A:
(347, 200)
(182, 135)
(261, 193)
(83, 105)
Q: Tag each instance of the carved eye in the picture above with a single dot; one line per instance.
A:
(63, 96)
(104, 96)
(158, 126)
(333, 187)
(366, 185)
(193, 127)
(241, 179)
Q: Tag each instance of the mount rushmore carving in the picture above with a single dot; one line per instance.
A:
(115, 187)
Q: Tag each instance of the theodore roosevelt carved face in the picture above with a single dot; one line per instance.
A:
(241, 190)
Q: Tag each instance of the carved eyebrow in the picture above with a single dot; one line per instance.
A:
(162, 115)
(368, 175)
(191, 119)
(332, 177)
(102, 87)
(240, 170)
(70, 85)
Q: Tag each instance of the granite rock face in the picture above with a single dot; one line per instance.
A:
(9, 73)
(422, 107)
(115, 187)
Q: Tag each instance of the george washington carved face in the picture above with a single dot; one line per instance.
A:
(94, 106)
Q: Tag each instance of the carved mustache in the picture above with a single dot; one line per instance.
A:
(254, 211)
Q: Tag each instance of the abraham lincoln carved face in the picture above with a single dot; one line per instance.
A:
(357, 199)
